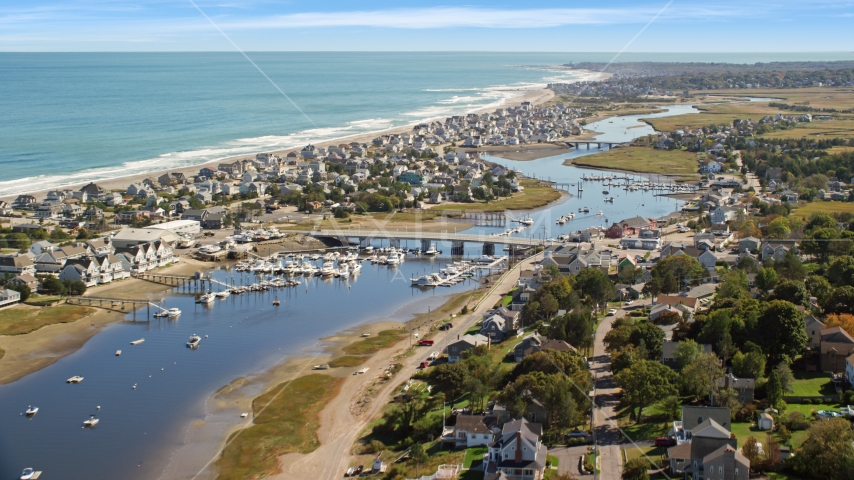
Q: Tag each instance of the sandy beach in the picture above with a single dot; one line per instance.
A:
(533, 95)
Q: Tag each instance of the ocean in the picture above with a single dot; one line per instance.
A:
(69, 118)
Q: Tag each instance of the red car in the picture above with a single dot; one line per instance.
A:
(424, 365)
(664, 442)
(425, 343)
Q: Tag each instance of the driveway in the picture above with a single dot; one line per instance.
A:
(569, 459)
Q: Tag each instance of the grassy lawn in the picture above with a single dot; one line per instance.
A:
(373, 344)
(653, 454)
(643, 160)
(820, 128)
(498, 354)
(347, 361)
(554, 461)
(720, 114)
(23, 319)
(816, 97)
(808, 384)
(534, 195)
(474, 457)
(822, 206)
(655, 424)
(288, 424)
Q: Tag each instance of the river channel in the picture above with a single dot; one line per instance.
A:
(140, 428)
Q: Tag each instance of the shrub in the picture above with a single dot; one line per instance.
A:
(746, 413)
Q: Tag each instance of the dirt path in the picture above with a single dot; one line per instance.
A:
(340, 428)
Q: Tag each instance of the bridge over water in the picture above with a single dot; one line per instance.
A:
(458, 240)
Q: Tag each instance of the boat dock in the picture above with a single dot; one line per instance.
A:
(466, 270)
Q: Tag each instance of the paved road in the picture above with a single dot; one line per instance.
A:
(568, 460)
(606, 397)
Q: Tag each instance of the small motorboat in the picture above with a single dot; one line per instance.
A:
(324, 366)
(118, 353)
(137, 342)
(194, 341)
(75, 379)
(276, 302)
(161, 314)
(28, 474)
(244, 415)
(173, 313)
(93, 420)
(206, 298)
(366, 335)
(31, 410)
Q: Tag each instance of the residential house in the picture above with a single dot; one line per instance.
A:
(25, 202)
(813, 327)
(749, 244)
(836, 345)
(744, 386)
(777, 249)
(534, 343)
(473, 430)
(456, 349)
(517, 453)
(9, 297)
(26, 279)
(17, 264)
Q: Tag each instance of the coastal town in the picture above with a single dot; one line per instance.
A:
(714, 341)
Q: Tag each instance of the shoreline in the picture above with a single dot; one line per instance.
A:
(205, 440)
(535, 95)
(30, 352)
(571, 163)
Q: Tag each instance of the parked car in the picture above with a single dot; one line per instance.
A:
(577, 434)
(446, 326)
(612, 311)
(664, 442)
(424, 365)
(629, 302)
(425, 342)
(359, 470)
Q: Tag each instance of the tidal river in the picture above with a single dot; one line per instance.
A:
(140, 428)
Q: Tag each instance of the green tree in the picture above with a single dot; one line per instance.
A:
(646, 383)
(449, 378)
(841, 271)
(774, 389)
(576, 328)
(827, 451)
(625, 358)
(594, 284)
(792, 291)
(671, 406)
(785, 376)
(766, 279)
(735, 285)
(752, 450)
(697, 377)
(636, 469)
(841, 300)
(819, 288)
(677, 270)
(790, 267)
(686, 353)
(24, 290)
(52, 286)
(778, 228)
(417, 456)
(749, 365)
(75, 287)
(783, 333)
(650, 336)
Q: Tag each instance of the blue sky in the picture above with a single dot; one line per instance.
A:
(534, 25)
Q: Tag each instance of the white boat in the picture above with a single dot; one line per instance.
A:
(75, 379)
(210, 249)
(173, 313)
(194, 341)
(366, 335)
(31, 410)
(161, 314)
(118, 353)
(429, 280)
(93, 420)
(432, 250)
(324, 366)
(137, 342)
(223, 294)
(30, 474)
(206, 298)
(326, 271)
(368, 249)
